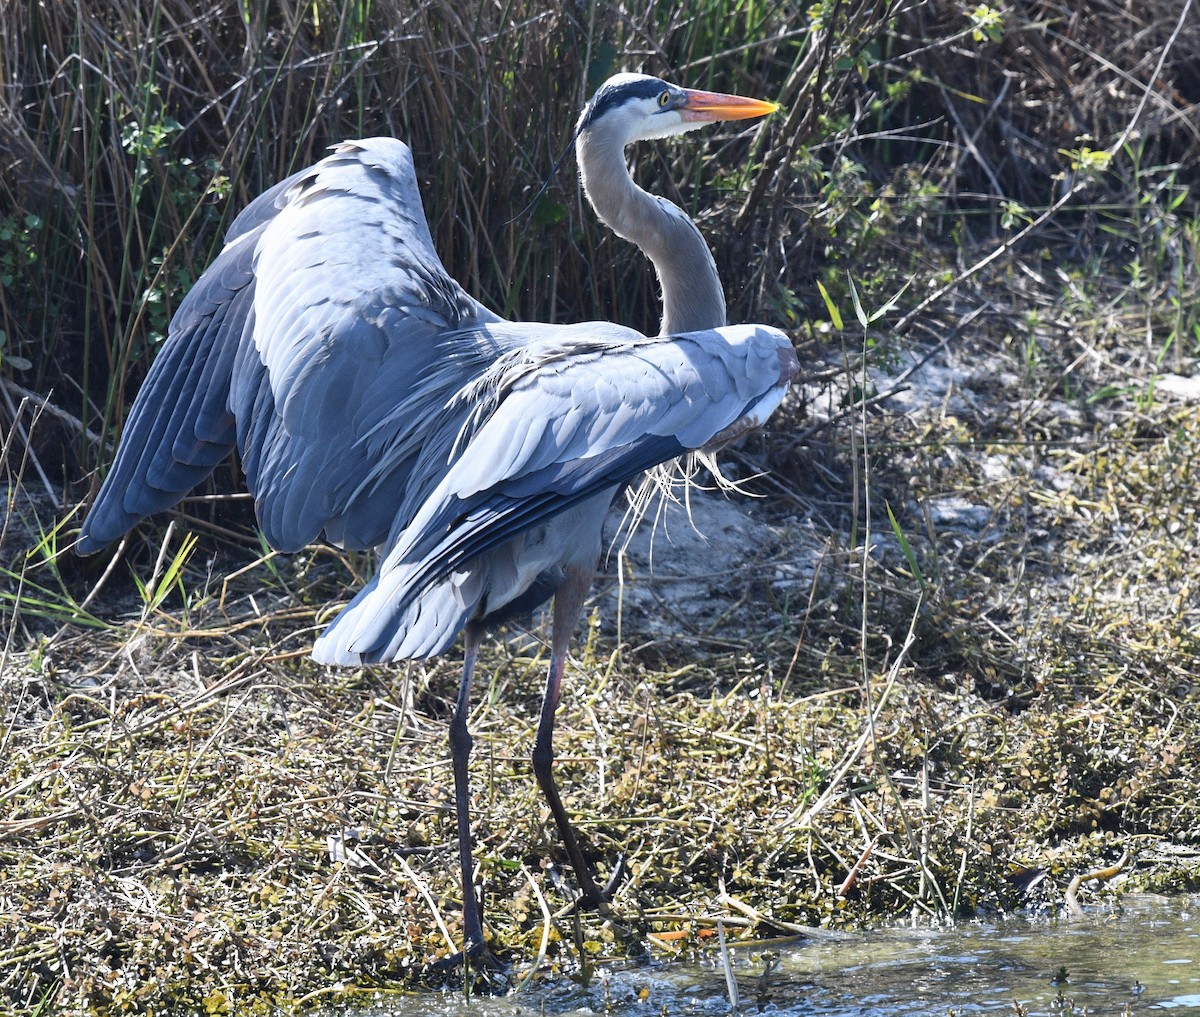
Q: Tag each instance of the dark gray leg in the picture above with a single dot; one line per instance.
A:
(460, 753)
(568, 603)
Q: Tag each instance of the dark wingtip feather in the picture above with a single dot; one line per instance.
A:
(101, 528)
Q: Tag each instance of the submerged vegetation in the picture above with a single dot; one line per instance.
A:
(953, 667)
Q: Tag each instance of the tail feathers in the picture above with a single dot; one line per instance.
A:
(382, 624)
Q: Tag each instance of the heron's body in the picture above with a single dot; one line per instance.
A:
(374, 403)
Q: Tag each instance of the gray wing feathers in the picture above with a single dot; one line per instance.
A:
(351, 302)
(179, 426)
(558, 436)
(687, 387)
(318, 319)
(262, 208)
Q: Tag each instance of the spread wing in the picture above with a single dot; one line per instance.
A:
(309, 343)
(571, 418)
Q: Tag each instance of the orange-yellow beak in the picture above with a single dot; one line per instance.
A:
(708, 107)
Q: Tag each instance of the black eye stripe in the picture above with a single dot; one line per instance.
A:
(612, 96)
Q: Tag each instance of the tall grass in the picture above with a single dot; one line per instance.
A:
(133, 132)
(138, 130)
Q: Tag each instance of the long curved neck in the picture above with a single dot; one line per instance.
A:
(691, 289)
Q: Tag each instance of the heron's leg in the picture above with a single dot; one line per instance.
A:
(568, 603)
(460, 752)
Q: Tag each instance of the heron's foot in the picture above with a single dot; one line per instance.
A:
(476, 958)
(600, 900)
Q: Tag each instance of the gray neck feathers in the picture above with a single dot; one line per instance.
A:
(691, 289)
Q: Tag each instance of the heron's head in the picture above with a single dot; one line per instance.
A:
(638, 107)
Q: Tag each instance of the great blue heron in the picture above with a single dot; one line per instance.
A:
(376, 404)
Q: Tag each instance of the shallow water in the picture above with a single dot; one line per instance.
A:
(1143, 958)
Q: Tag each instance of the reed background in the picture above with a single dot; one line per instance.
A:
(133, 133)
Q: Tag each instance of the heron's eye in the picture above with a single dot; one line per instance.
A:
(664, 100)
